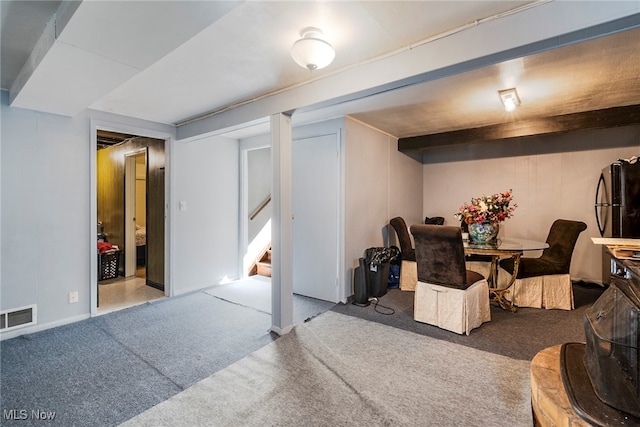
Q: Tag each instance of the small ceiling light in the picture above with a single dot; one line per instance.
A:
(509, 98)
(311, 51)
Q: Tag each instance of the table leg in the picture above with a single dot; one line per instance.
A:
(493, 272)
(498, 294)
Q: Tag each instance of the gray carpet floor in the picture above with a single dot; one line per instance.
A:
(519, 335)
(107, 369)
(342, 370)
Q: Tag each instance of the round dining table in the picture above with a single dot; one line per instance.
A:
(503, 247)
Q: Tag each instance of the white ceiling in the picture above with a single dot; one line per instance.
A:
(175, 61)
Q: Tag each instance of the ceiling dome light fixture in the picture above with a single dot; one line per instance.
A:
(510, 99)
(311, 51)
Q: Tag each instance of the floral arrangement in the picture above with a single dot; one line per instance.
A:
(492, 209)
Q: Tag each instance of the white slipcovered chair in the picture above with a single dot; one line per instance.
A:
(545, 281)
(447, 295)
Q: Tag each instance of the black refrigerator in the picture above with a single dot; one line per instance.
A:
(618, 205)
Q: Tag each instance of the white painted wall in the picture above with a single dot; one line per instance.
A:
(45, 195)
(46, 242)
(259, 188)
(380, 183)
(405, 190)
(45, 189)
(552, 177)
(205, 238)
(367, 189)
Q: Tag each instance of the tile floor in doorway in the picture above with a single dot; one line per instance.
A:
(116, 294)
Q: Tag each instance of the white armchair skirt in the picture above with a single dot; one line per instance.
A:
(408, 275)
(452, 309)
(552, 291)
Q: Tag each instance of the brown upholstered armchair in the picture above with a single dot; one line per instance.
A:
(440, 256)
(556, 259)
(408, 273)
(447, 295)
(545, 281)
(407, 252)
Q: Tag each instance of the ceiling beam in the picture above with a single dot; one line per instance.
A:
(597, 119)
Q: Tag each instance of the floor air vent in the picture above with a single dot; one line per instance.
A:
(18, 318)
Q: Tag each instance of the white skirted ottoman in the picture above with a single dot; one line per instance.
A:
(552, 291)
(452, 309)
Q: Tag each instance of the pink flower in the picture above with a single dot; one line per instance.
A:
(494, 208)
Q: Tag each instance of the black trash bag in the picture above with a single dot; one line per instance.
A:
(378, 261)
(397, 260)
(381, 255)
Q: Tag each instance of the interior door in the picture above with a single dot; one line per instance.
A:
(315, 179)
(156, 211)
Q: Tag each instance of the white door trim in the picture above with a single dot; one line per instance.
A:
(168, 138)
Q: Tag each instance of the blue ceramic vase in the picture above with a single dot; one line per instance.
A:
(483, 233)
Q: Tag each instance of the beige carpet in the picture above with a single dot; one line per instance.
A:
(342, 370)
(253, 292)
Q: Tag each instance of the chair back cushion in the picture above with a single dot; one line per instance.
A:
(440, 255)
(556, 259)
(404, 239)
(562, 240)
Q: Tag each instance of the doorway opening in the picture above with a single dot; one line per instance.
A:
(316, 200)
(130, 215)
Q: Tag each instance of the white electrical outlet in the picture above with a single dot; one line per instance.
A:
(73, 297)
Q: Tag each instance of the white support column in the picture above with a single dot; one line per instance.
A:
(281, 226)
